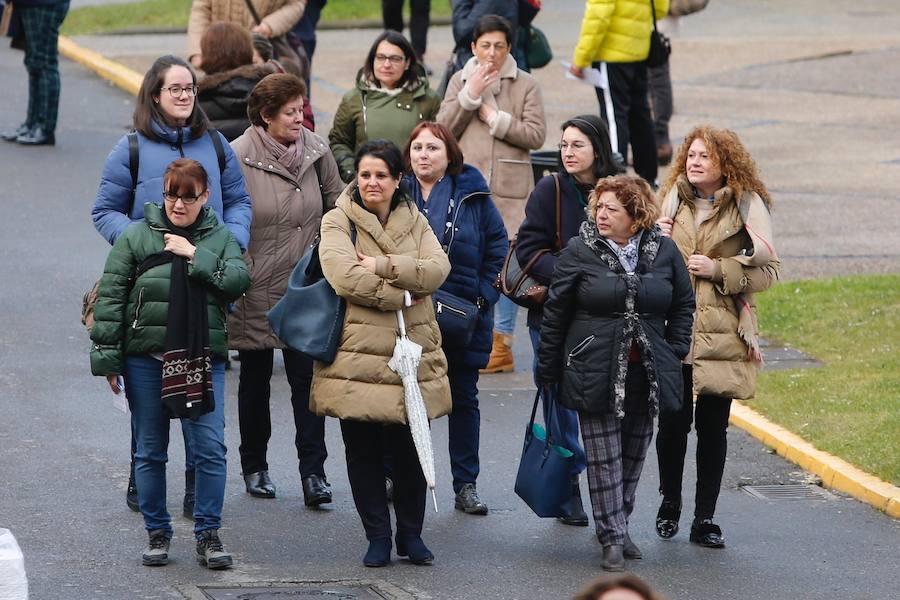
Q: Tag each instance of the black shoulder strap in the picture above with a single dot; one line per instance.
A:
(318, 167)
(220, 151)
(253, 11)
(134, 158)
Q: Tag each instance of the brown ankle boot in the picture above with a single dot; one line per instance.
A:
(501, 360)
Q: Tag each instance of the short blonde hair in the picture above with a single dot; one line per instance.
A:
(635, 195)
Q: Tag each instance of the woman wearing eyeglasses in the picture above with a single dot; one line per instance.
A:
(391, 97)
(160, 325)
(168, 125)
(585, 154)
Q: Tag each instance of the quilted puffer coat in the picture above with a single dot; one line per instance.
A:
(616, 31)
(359, 385)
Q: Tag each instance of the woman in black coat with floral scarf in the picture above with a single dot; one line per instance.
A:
(616, 326)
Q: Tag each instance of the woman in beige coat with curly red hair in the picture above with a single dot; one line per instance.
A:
(717, 210)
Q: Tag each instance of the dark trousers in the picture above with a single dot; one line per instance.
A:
(711, 423)
(660, 84)
(41, 25)
(254, 418)
(627, 97)
(366, 444)
(419, 13)
(464, 423)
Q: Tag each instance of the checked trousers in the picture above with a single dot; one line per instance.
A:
(41, 25)
(615, 449)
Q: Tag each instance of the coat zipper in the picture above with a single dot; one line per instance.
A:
(456, 216)
(578, 349)
(137, 310)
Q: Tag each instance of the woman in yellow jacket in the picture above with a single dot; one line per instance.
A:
(615, 38)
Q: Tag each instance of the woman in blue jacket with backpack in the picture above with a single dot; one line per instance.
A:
(168, 124)
(457, 201)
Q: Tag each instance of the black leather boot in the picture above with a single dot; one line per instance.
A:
(190, 494)
(131, 494)
(316, 490)
(576, 516)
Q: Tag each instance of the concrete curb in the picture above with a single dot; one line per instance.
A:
(836, 473)
(120, 75)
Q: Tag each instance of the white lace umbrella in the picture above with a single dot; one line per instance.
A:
(405, 362)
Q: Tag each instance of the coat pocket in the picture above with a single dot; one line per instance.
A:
(579, 348)
(512, 178)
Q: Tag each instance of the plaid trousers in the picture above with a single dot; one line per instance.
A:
(615, 449)
(41, 24)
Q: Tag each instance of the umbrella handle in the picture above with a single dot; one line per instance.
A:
(407, 301)
(434, 499)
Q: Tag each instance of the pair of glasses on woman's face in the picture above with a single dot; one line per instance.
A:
(172, 197)
(575, 146)
(394, 59)
(177, 90)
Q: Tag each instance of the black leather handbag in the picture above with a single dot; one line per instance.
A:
(660, 46)
(516, 282)
(309, 318)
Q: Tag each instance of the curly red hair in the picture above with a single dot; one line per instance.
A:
(728, 153)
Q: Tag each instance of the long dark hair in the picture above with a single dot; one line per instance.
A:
(392, 37)
(147, 110)
(595, 129)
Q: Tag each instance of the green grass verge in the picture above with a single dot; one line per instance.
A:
(851, 406)
(174, 13)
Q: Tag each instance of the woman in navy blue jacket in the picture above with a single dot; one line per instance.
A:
(457, 201)
(585, 155)
(169, 125)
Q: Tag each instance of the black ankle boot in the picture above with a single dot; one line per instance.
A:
(190, 494)
(576, 516)
(131, 494)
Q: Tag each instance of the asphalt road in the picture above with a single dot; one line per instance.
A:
(63, 449)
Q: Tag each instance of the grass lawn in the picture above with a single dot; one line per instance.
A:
(174, 13)
(851, 406)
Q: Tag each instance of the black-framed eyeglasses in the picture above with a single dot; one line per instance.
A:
(177, 90)
(394, 59)
(186, 199)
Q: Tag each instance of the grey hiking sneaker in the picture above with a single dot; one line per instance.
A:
(467, 500)
(157, 552)
(210, 552)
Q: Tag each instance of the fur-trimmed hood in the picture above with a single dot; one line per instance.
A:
(251, 72)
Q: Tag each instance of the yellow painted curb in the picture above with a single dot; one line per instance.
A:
(836, 473)
(120, 75)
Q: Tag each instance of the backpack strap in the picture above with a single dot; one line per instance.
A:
(134, 158)
(220, 151)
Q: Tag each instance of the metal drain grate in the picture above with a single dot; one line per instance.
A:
(787, 491)
(299, 590)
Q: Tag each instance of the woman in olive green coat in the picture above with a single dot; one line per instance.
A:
(391, 97)
(160, 323)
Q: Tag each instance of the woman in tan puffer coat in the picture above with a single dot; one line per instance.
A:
(716, 210)
(376, 246)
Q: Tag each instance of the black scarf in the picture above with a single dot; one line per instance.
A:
(187, 388)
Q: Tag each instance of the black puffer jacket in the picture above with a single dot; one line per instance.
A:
(589, 323)
(223, 97)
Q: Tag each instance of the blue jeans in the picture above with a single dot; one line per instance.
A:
(505, 312)
(143, 387)
(564, 426)
(464, 422)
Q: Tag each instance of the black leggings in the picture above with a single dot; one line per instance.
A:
(711, 422)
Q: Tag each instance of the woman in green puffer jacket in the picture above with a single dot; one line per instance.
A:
(391, 97)
(160, 323)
